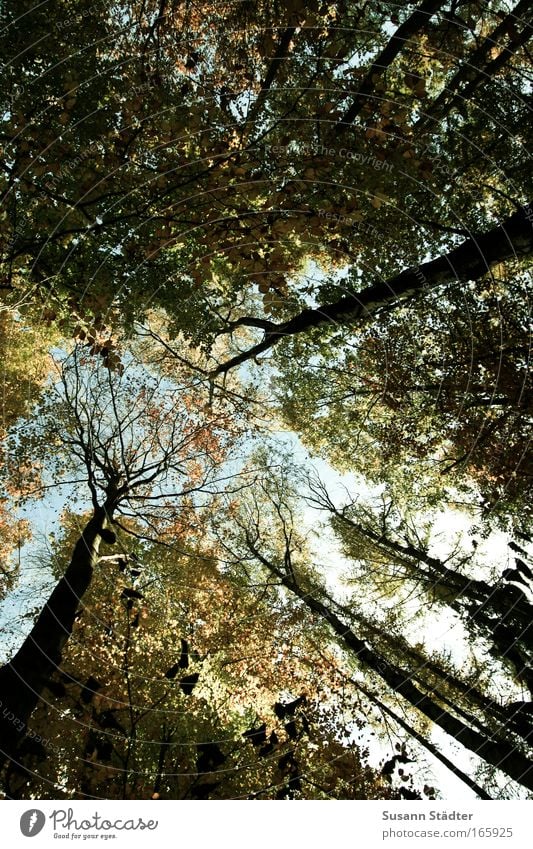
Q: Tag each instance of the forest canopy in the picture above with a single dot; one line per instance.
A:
(265, 507)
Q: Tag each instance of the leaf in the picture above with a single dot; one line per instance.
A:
(291, 729)
(390, 765)
(89, 689)
(257, 736)
(188, 683)
(273, 741)
(127, 592)
(288, 762)
(282, 710)
(405, 793)
(107, 720)
(183, 662)
(173, 671)
(209, 757)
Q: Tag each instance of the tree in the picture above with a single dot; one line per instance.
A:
(25, 367)
(170, 688)
(13, 534)
(135, 445)
(317, 224)
(470, 261)
(271, 97)
(265, 533)
(392, 548)
(439, 387)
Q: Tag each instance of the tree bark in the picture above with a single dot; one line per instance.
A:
(469, 261)
(23, 679)
(426, 744)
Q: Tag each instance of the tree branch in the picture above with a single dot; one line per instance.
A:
(450, 96)
(469, 261)
(414, 24)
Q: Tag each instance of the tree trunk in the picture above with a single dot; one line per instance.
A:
(23, 679)
(507, 603)
(426, 744)
(502, 754)
(414, 24)
(454, 93)
(471, 260)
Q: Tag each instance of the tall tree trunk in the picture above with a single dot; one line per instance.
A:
(426, 744)
(23, 679)
(502, 754)
(403, 723)
(487, 602)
